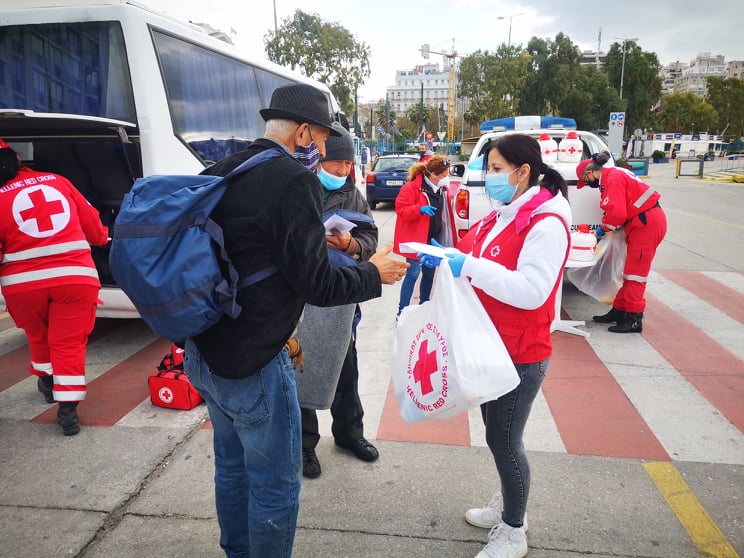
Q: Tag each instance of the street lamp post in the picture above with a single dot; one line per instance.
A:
(509, 17)
(622, 68)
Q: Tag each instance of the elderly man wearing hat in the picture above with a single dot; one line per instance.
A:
(632, 205)
(337, 375)
(271, 216)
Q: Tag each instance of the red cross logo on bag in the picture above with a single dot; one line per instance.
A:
(41, 212)
(165, 395)
(425, 366)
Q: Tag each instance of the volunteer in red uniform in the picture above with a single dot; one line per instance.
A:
(630, 204)
(514, 259)
(48, 278)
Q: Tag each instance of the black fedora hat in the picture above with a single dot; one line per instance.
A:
(301, 103)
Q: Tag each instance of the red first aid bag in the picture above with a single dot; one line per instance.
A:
(170, 387)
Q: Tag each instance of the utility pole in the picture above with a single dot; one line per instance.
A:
(509, 17)
(622, 69)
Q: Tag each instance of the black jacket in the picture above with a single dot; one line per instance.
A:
(272, 215)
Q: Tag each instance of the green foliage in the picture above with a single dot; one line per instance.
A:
(727, 96)
(321, 50)
(641, 82)
(683, 112)
(657, 154)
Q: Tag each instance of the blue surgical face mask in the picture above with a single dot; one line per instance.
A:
(330, 181)
(498, 187)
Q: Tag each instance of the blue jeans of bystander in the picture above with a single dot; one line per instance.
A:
(505, 419)
(409, 282)
(257, 450)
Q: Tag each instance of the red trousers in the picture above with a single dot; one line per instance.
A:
(643, 240)
(57, 322)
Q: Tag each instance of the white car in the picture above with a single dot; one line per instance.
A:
(471, 203)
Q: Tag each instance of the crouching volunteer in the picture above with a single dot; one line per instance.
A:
(630, 204)
(271, 216)
(514, 258)
(48, 278)
(332, 331)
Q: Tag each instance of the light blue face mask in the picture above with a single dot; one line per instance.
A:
(498, 187)
(330, 181)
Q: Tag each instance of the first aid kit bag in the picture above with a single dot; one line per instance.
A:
(170, 387)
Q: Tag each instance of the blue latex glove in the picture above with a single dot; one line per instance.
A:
(428, 260)
(429, 210)
(599, 232)
(455, 260)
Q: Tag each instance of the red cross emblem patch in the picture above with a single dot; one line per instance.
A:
(41, 212)
(428, 359)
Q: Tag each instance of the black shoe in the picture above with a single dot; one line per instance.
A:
(631, 323)
(360, 447)
(310, 464)
(67, 418)
(46, 387)
(614, 315)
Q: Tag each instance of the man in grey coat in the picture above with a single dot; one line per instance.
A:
(340, 193)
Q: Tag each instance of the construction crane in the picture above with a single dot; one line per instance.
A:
(425, 52)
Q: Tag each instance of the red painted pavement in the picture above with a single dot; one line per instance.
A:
(14, 364)
(590, 409)
(726, 299)
(716, 373)
(454, 431)
(116, 392)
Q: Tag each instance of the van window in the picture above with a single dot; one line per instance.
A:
(215, 116)
(72, 68)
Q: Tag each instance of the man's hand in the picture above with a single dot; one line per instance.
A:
(390, 269)
(339, 241)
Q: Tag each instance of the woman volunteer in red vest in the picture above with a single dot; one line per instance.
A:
(514, 258)
(630, 204)
(48, 278)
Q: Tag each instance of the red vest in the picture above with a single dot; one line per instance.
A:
(526, 333)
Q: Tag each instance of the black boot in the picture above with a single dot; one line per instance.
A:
(45, 384)
(631, 323)
(67, 418)
(614, 315)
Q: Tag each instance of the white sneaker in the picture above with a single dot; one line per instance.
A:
(505, 541)
(490, 516)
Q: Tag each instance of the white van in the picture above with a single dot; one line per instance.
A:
(107, 91)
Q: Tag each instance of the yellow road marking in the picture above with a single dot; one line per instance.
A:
(695, 215)
(702, 530)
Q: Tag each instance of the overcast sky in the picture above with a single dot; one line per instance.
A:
(396, 29)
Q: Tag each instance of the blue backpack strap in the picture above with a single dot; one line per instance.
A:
(256, 160)
(257, 276)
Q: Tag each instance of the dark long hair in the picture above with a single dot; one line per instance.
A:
(9, 165)
(520, 149)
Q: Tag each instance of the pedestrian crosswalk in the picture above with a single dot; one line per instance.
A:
(675, 392)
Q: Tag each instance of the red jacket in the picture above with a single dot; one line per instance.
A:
(412, 225)
(624, 196)
(46, 229)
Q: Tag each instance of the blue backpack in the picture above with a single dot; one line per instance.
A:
(168, 256)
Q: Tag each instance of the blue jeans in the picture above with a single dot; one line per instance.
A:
(505, 419)
(412, 273)
(257, 455)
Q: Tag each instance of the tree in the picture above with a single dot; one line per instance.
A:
(554, 65)
(681, 112)
(727, 96)
(325, 51)
(641, 82)
(588, 98)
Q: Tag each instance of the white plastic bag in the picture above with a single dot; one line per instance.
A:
(602, 280)
(448, 357)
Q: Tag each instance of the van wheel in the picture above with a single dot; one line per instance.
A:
(372, 204)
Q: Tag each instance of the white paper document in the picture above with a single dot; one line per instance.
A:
(420, 247)
(339, 223)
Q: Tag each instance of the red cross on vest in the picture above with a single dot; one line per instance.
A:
(425, 366)
(42, 210)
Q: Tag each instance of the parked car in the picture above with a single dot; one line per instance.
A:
(388, 174)
(471, 203)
